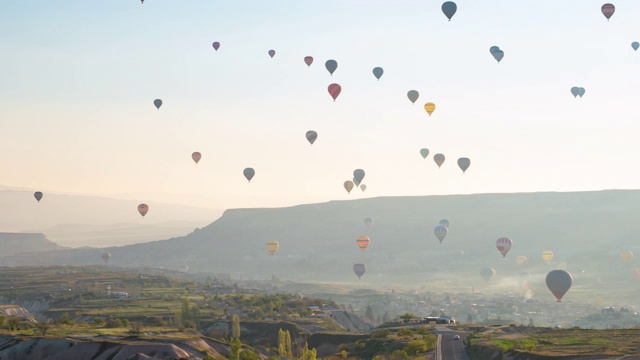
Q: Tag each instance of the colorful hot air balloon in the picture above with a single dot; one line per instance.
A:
(439, 159)
(334, 90)
(38, 195)
(444, 222)
(413, 96)
(521, 260)
(363, 242)
(487, 273)
(608, 10)
(359, 269)
(504, 244)
(363, 187)
(272, 247)
(196, 156)
(348, 185)
(216, 45)
(441, 232)
(105, 257)
(497, 53)
(449, 9)
(368, 222)
(249, 173)
(331, 66)
(575, 91)
(429, 108)
(377, 72)
(358, 175)
(464, 163)
(311, 136)
(559, 282)
(424, 152)
(143, 209)
(272, 53)
(635, 45)
(157, 103)
(581, 91)
(547, 256)
(626, 256)
(308, 60)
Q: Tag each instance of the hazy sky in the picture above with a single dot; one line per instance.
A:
(78, 80)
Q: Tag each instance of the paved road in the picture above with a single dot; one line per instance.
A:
(448, 348)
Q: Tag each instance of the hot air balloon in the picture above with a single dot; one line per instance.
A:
(487, 273)
(636, 273)
(38, 195)
(581, 91)
(626, 256)
(429, 108)
(334, 90)
(497, 53)
(143, 209)
(363, 242)
(441, 232)
(439, 159)
(216, 45)
(463, 164)
(359, 269)
(308, 60)
(444, 222)
(413, 96)
(608, 10)
(377, 72)
(635, 45)
(424, 152)
(559, 282)
(249, 173)
(311, 136)
(363, 187)
(196, 156)
(272, 53)
(449, 9)
(105, 257)
(358, 175)
(157, 103)
(504, 244)
(184, 267)
(547, 256)
(575, 91)
(272, 247)
(368, 222)
(348, 185)
(521, 260)
(331, 66)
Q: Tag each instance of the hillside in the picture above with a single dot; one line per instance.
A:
(16, 243)
(585, 230)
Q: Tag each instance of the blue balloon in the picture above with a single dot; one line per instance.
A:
(331, 66)
(635, 45)
(498, 55)
(575, 91)
(249, 173)
(449, 9)
(581, 91)
(377, 72)
(493, 49)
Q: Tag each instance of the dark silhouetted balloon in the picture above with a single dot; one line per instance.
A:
(308, 60)
(38, 195)
(331, 66)
(581, 91)
(311, 136)
(464, 163)
(441, 232)
(487, 273)
(413, 96)
(359, 269)
(334, 91)
(635, 45)
(368, 222)
(439, 159)
(249, 173)
(559, 282)
(377, 72)
(497, 53)
(574, 91)
(358, 175)
(608, 10)
(106, 256)
(157, 103)
(216, 45)
(363, 187)
(196, 156)
(348, 185)
(143, 209)
(444, 222)
(272, 53)
(449, 9)
(424, 152)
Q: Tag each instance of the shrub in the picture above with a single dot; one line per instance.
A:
(114, 323)
(98, 321)
(380, 334)
(416, 346)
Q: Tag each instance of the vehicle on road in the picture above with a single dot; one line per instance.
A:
(457, 337)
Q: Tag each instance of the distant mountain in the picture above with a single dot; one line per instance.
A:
(13, 243)
(585, 230)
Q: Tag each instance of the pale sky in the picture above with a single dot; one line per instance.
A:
(78, 80)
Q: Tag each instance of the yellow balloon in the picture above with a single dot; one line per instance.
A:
(429, 107)
(272, 246)
(547, 255)
(626, 256)
(521, 260)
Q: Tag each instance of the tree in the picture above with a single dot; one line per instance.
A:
(406, 317)
(136, 327)
(43, 327)
(469, 319)
(369, 314)
(416, 346)
(234, 349)
(235, 327)
(308, 354)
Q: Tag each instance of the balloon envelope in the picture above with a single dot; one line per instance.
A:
(464, 163)
(311, 136)
(547, 255)
(363, 187)
(626, 256)
(105, 257)
(334, 91)
(143, 209)
(449, 9)
(424, 152)
(331, 66)
(348, 185)
(575, 91)
(377, 72)
(608, 10)
(444, 222)
(441, 232)
(439, 159)
(363, 242)
(487, 273)
(308, 60)
(216, 45)
(559, 282)
(521, 260)
(272, 247)
(429, 108)
(157, 103)
(196, 156)
(581, 91)
(498, 55)
(359, 269)
(413, 96)
(38, 195)
(504, 245)
(272, 53)
(249, 173)
(368, 222)
(635, 45)
(358, 175)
